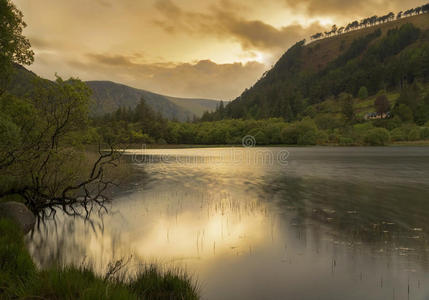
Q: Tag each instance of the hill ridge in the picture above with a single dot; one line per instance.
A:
(296, 82)
(108, 96)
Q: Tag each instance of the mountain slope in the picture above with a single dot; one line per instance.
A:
(196, 106)
(109, 96)
(386, 56)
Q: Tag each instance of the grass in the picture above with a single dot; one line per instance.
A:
(411, 143)
(17, 271)
(367, 105)
(20, 279)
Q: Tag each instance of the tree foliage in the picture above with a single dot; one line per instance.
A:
(382, 104)
(363, 93)
(42, 161)
(14, 47)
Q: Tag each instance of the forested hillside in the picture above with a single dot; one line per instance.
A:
(107, 97)
(388, 56)
(369, 86)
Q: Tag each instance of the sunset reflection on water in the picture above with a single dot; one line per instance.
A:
(266, 230)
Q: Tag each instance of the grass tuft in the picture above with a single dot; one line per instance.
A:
(19, 277)
(151, 283)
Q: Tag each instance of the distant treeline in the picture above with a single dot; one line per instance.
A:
(371, 21)
(337, 123)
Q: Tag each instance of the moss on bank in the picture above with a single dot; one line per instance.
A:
(20, 279)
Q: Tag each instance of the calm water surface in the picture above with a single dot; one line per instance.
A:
(267, 223)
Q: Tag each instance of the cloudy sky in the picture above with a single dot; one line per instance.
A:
(186, 48)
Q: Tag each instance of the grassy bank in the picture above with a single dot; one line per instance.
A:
(19, 278)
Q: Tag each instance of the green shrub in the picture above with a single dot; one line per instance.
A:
(306, 132)
(261, 138)
(359, 132)
(329, 121)
(425, 133)
(310, 112)
(393, 123)
(161, 141)
(273, 132)
(362, 128)
(398, 135)
(377, 137)
(308, 138)
(139, 137)
(322, 137)
(333, 138)
(303, 133)
(404, 113)
(345, 141)
(290, 135)
(414, 134)
(389, 124)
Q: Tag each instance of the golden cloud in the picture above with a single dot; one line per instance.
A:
(201, 79)
(225, 23)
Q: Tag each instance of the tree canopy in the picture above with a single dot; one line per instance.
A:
(14, 46)
(42, 162)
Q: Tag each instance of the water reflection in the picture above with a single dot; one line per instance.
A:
(331, 223)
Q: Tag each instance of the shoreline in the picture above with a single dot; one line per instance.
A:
(192, 146)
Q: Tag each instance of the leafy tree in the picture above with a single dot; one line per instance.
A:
(421, 115)
(44, 166)
(409, 96)
(363, 93)
(41, 157)
(381, 104)
(404, 112)
(14, 47)
(347, 104)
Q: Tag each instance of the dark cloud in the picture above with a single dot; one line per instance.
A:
(350, 8)
(116, 60)
(168, 8)
(145, 38)
(104, 3)
(40, 43)
(223, 21)
(259, 35)
(203, 79)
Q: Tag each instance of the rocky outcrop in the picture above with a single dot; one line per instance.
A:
(19, 213)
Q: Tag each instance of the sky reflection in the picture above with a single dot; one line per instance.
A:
(330, 223)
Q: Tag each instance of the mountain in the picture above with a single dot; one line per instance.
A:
(109, 96)
(387, 56)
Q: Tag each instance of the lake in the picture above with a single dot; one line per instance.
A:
(266, 223)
